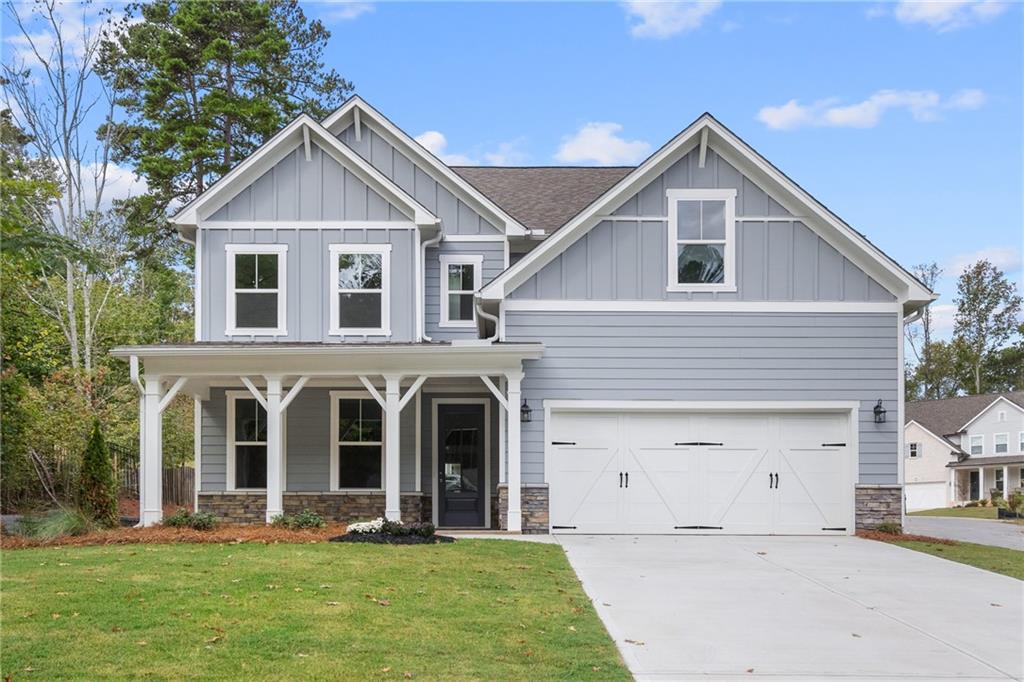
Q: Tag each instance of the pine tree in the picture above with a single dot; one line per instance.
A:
(97, 492)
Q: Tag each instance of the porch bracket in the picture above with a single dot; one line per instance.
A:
(255, 391)
(494, 389)
(171, 393)
(374, 392)
(133, 373)
(411, 393)
(293, 393)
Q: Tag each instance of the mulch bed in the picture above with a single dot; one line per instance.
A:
(221, 534)
(891, 537)
(386, 539)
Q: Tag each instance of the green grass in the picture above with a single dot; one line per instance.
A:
(477, 609)
(996, 559)
(965, 513)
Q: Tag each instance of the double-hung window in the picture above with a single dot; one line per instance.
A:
(256, 275)
(977, 444)
(701, 239)
(913, 450)
(357, 442)
(360, 285)
(460, 280)
(1001, 443)
(1020, 446)
(247, 442)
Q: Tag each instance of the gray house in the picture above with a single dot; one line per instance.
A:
(693, 345)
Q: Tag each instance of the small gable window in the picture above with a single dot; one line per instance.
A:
(460, 280)
(702, 239)
(256, 289)
(913, 450)
(360, 283)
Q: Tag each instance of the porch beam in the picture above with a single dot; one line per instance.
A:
(494, 389)
(171, 393)
(373, 391)
(255, 392)
(392, 447)
(275, 468)
(411, 393)
(293, 392)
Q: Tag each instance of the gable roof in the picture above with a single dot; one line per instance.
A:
(947, 417)
(543, 197)
(708, 130)
(355, 110)
(941, 439)
(301, 130)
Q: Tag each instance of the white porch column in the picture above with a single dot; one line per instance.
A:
(1006, 483)
(392, 447)
(142, 450)
(514, 453)
(981, 483)
(151, 458)
(951, 497)
(275, 462)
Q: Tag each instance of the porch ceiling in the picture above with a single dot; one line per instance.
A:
(331, 360)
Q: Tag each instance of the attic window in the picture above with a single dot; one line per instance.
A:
(256, 298)
(702, 240)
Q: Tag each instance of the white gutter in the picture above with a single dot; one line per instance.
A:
(421, 293)
(487, 316)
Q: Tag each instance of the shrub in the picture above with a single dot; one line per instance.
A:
(304, 519)
(183, 518)
(983, 502)
(203, 521)
(366, 527)
(890, 527)
(972, 503)
(1016, 501)
(55, 524)
(179, 519)
(393, 528)
(97, 492)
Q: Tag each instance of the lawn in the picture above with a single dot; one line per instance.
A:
(964, 513)
(996, 559)
(476, 609)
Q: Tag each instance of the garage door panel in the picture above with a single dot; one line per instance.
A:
(662, 489)
(588, 488)
(922, 496)
(807, 495)
(736, 490)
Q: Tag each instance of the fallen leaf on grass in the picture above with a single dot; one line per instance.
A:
(385, 670)
(55, 616)
(142, 642)
(407, 675)
(384, 602)
(116, 629)
(633, 641)
(572, 629)
(214, 640)
(333, 603)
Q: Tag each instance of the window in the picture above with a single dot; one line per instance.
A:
(977, 445)
(247, 442)
(702, 239)
(256, 289)
(360, 275)
(460, 279)
(1002, 415)
(1001, 443)
(1020, 443)
(913, 450)
(357, 442)
(999, 480)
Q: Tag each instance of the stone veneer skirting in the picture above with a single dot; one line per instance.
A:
(877, 504)
(240, 507)
(534, 501)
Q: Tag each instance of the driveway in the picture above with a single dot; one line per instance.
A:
(981, 531)
(798, 608)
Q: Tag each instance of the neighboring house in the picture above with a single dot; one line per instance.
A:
(694, 345)
(962, 449)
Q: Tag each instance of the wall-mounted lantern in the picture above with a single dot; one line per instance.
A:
(879, 412)
(525, 413)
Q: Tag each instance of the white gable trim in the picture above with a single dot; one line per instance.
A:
(989, 407)
(357, 110)
(278, 147)
(940, 439)
(791, 196)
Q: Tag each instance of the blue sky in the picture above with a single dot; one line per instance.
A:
(906, 119)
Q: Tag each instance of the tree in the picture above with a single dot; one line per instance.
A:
(987, 316)
(97, 491)
(920, 339)
(205, 82)
(1004, 369)
(947, 374)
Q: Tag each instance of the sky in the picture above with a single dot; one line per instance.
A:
(906, 119)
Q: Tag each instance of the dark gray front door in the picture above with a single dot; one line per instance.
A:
(975, 486)
(460, 465)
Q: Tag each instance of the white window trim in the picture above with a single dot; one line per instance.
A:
(729, 197)
(970, 445)
(229, 483)
(477, 261)
(1020, 445)
(384, 250)
(913, 450)
(995, 448)
(335, 445)
(434, 491)
(281, 250)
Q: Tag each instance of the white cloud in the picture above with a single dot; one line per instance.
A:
(948, 15)
(437, 144)
(346, 10)
(600, 143)
(1006, 258)
(729, 26)
(78, 23)
(943, 317)
(507, 153)
(665, 19)
(923, 105)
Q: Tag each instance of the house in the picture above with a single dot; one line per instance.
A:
(693, 345)
(962, 449)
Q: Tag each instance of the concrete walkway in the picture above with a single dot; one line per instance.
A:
(788, 608)
(981, 531)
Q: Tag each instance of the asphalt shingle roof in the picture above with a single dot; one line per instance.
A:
(945, 417)
(543, 197)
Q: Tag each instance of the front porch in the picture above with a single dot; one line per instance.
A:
(975, 478)
(414, 432)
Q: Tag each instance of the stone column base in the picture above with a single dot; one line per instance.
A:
(878, 504)
(242, 507)
(534, 501)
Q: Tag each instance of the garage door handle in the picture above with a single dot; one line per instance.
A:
(562, 442)
(627, 479)
(620, 479)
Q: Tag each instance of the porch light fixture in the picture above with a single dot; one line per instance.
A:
(525, 413)
(879, 412)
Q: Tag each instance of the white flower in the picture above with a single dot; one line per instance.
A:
(364, 527)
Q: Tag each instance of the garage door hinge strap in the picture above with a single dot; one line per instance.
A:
(833, 445)
(563, 527)
(699, 442)
(843, 528)
(698, 528)
(562, 442)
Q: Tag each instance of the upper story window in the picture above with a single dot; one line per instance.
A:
(1001, 443)
(977, 445)
(246, 442)
(1020, 445)
(702, 239)
(360, 285)
(460, 280)
(913, 450)
(256, 275)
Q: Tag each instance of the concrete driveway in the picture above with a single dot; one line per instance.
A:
(798, 608)
(981, 531)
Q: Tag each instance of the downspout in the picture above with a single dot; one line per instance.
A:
(421, 302)
(487, 316)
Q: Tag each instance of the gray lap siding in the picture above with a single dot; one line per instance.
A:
(715, 357)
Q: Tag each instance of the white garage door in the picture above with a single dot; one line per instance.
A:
(678, 472)
(925, 496)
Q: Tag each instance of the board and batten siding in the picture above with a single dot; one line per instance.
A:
(308, 280)
(318, 189)
(456, 216)
(778, 259)
(493, 253)
(307, 442)
(715, 357)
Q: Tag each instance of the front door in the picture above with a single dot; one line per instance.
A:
(460, 462)
(975, 486)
